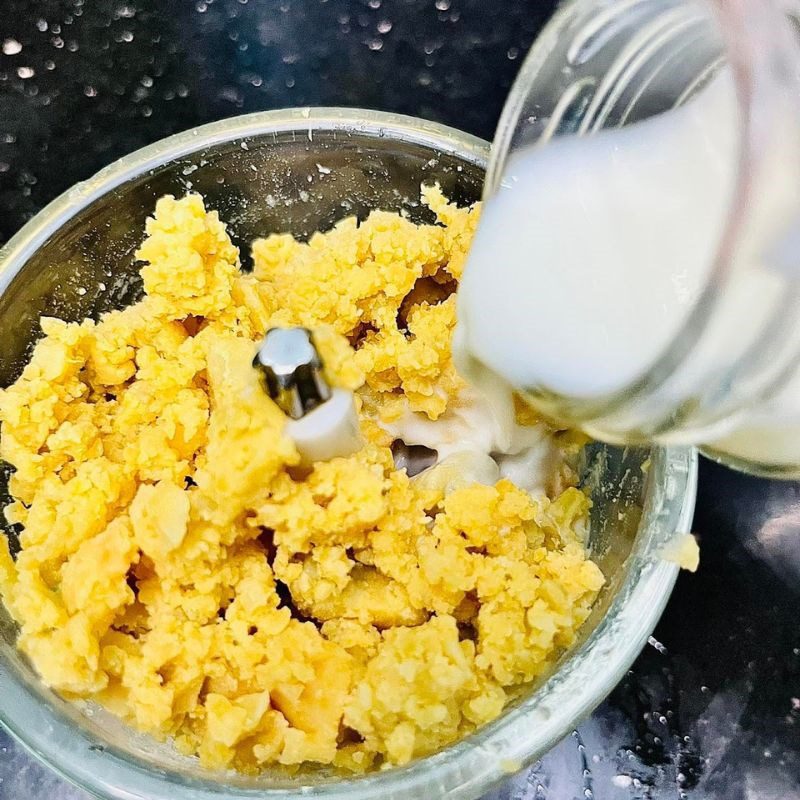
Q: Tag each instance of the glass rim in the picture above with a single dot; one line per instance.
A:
(470, 766)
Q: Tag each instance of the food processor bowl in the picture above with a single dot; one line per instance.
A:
(300, 171)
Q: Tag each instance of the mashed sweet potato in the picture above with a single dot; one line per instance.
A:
(178, 567)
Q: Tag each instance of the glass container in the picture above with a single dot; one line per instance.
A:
(300, 171)
(728, 374)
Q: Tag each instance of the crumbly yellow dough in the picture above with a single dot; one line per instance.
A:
(179, 568)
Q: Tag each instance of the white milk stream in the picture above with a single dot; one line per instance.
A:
(591, 255)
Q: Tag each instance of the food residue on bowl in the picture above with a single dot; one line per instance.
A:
(180, 567)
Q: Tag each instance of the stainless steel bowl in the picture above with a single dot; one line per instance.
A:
(300, 171)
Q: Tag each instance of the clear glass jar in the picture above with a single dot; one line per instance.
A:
(728, 374)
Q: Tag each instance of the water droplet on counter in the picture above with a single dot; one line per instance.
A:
(513, 53)
(11, 47)
(384, 26)
(375, 44)
(231, 94)
(374, 4)
(442, 5)
(41, 25)
(90, 91)
(25, 72)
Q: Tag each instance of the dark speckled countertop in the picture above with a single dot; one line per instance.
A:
(711, 709)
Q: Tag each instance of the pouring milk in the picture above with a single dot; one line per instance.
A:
(595, 250)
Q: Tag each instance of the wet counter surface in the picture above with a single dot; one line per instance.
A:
(711, 709)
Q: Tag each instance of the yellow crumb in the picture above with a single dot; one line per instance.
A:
(177, 566)
(682, 549)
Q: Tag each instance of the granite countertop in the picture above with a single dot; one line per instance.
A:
(711, 709)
